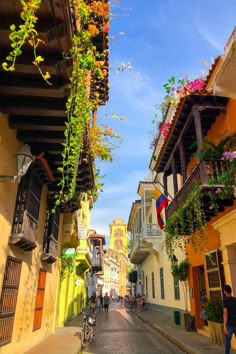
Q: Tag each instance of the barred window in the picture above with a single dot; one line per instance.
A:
(162, 283)
(8, 299)
(146, 285)
(176, 288)
(153, 286)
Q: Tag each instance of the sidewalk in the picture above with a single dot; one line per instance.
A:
(190, 342)
(66, 340)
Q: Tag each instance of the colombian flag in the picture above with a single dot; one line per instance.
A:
(161, 202)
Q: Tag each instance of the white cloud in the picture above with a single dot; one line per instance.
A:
(209, 37)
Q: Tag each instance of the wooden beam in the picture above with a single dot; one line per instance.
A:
(38, 127)
(49, 91)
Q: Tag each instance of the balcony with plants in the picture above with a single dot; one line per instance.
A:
(201, 171)
(54, 58)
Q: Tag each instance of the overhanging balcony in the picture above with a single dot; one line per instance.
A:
(149, 241)
(139, 252)
(24, 232)
(207, 173)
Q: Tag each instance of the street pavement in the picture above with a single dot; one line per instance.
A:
(123, 333)
(116, 333)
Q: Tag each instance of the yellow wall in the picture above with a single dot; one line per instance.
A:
(23, 336)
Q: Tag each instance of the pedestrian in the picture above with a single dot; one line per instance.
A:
(139, 302)
(93, 302)
(106, 301)
(133, 302)
(144, 301)
(229, 315)
(101, 301)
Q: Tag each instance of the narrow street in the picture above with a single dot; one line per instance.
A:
(123, 332)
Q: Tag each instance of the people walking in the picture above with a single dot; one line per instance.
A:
(101, 301)
(229, 315)
(144, 301)
(106, 302)
(139, 302)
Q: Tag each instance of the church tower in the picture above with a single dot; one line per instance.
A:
(119, 236)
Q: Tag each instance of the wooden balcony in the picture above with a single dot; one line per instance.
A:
(97, 264)
(24, 232)
(49, 254)
(207, 173)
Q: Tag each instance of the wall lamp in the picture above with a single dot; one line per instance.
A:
(175, 260)
(24, 159)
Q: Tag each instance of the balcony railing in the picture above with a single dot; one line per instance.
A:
(207, 173)
(24, 232)
(151, 230)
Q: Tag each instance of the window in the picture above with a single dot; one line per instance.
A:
(176, 288)
(146, 286)
(51, 233)
(162, 283)
(27, 206)
(215, 274)
(39, 300)
(8, 299)
(153, 286)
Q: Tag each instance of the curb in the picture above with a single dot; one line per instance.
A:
(172, 339)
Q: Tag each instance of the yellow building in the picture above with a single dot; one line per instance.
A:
(38, 290)
(119, 236)
(119, 242)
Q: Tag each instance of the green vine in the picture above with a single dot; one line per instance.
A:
(87, 63)
(89, 68)
(187, 223)
(25, 32)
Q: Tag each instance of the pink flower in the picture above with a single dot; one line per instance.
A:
(195, 85)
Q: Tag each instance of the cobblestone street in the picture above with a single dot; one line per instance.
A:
(123, 332)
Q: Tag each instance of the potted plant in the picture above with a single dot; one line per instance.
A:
(214, 315)
(180, 272)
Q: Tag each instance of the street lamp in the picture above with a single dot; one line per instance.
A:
(24, 160)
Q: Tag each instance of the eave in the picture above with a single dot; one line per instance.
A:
(182, 125)
(37, 111)
(224, 83)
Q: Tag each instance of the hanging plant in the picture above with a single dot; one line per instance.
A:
(87, 62)
(25, 33)
(187, 222)
(180, 271)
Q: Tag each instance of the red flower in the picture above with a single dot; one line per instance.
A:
(106, 27)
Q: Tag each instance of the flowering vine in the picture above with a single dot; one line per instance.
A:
(175, 89)
(89, 68)
(25, 32)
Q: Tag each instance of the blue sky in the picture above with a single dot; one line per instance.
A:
(160, 38)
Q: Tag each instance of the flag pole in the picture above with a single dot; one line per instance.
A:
(168, 194)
